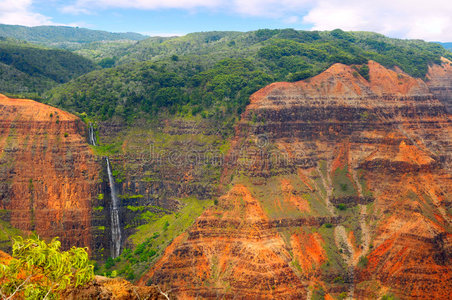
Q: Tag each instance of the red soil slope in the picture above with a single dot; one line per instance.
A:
(48, 173)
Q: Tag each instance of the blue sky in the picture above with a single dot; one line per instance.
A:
(429, 20)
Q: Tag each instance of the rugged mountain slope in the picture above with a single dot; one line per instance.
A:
(439, 80)
(214, 73)
(334, 185)
(27, 68)
(48, 174)
(162, 181)
(113, 288)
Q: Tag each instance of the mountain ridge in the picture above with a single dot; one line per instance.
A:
(55, 35)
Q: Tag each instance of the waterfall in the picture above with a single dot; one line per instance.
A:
(115, 226)
(92, 139)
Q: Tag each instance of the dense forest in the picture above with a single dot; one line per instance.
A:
(30, 70)
(61, 35)
(214, 73)
(207, 73)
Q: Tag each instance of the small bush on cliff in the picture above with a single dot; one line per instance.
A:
(165, 226)
(363, 261)
(389, 297)
(38, 270)
(344, 187)
(343, 295)
(364, 71)
(341, 206)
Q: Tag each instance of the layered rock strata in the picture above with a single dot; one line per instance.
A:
(48, 173)
(439, 80)
(372, 157)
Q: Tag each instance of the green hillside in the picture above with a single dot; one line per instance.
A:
(27, 68)
(214, 73)
(59, 35)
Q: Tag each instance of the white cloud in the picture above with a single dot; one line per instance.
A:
(82, 6)
(270, 8)
(429, 20)
(291, 20)
(19, 12)
(75, 10)
(420, 19)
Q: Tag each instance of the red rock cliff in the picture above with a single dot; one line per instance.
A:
(439, 79)
(337, 185)
(48, 173)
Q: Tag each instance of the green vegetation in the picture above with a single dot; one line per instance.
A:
(63, 35)
(151, 238)
(7, 231)
(39, 270)
(147, 87)
(30, 70)
(214, 73)
(389, 296)
(341, 206)
(343, 185)
(136, 208)
(206, 79)
(107, 149)
(363, 261)
(363, 71)
(99, 208)
(335, 263)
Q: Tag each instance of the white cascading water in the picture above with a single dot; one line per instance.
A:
(115, 227)
(92, 140)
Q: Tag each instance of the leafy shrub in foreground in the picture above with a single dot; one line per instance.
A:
(38, 270)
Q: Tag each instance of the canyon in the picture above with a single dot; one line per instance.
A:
(335, 186)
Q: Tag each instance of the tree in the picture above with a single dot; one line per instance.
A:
(38, 270)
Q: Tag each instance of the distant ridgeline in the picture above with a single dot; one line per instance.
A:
(214, 73)
(57, 35)
(30, 69)
(207, 73)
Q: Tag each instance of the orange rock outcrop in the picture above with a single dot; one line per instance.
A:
(48, 174)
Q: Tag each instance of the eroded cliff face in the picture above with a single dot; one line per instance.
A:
(160, 172)
(48, 173)
(333, 186)
(439, 80)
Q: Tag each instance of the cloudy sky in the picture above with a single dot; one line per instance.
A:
(421, 19)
